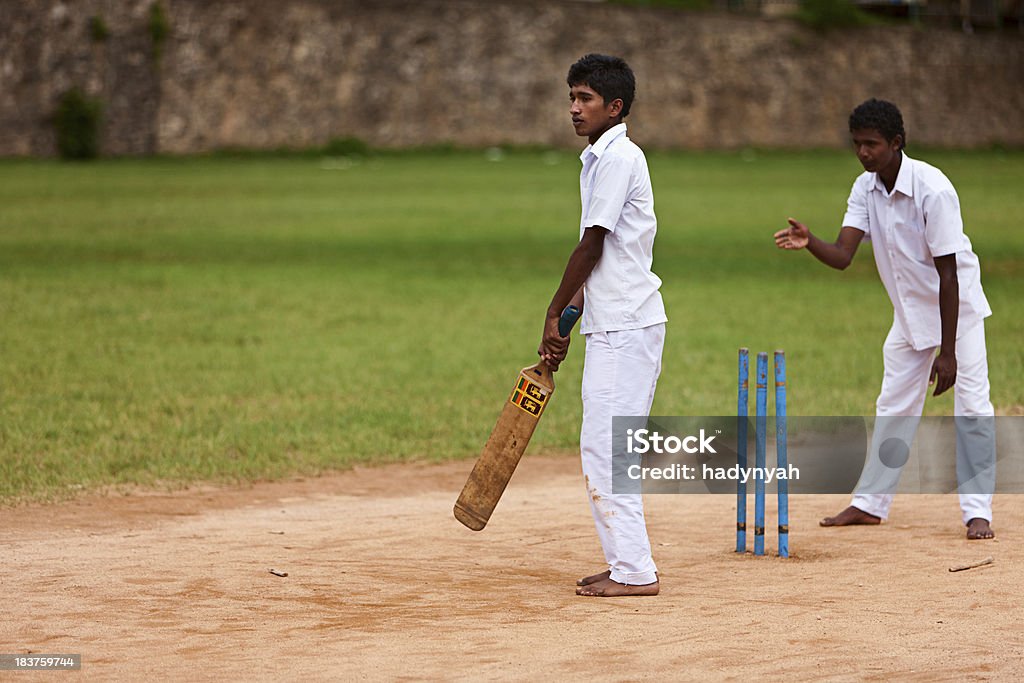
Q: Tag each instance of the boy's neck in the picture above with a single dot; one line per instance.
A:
(597, 136)
(891, 172)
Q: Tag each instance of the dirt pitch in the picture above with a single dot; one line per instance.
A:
(383, 584)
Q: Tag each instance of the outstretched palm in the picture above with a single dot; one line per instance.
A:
(796, 236)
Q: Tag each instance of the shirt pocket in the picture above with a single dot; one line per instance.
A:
(909, 238)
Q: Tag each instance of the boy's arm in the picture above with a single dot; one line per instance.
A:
(836, 254)
(582, 261)
(943, 374)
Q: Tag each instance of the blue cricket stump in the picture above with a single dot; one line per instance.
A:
(760, 448)
(741, 451)
(781, 457)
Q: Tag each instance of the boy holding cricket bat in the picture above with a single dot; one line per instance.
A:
(609, 277)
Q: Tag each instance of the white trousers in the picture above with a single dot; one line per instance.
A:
(619, 377)
(904, 389)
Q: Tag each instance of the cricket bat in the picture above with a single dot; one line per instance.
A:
(504, 448)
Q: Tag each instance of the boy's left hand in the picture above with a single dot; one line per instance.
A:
(943, 374)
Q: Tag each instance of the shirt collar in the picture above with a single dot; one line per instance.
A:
(598, 148)
(904, 179)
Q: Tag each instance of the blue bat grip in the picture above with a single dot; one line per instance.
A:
(569, 317)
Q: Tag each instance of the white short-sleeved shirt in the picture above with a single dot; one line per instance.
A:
(908, 228)
(622, 292)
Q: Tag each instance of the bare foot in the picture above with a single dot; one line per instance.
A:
(594, 578)
(849, 517)
(978, 529)
(606, 588)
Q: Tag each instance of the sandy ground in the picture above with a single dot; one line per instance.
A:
(383, 584)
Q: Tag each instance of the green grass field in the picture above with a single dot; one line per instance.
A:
(172, 320)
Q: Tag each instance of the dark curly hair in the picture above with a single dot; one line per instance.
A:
(882, 116)
(609, 77)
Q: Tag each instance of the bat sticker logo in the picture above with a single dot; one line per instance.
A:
(529, 397)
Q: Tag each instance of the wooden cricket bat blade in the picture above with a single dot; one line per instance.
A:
(469, 519)
(504, 448)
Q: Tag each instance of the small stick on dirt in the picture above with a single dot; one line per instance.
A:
(275, 572)
(987, 560)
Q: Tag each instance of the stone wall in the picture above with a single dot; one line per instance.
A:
(295, 73)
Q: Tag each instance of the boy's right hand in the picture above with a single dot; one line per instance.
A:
(553, 346)
(796, 236)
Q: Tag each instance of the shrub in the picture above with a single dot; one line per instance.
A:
(98, 30)
(77, 121)
(159, 28)
(824, 14)
(346, 147)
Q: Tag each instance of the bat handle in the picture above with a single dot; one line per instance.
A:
(542, 373)
(569, 317)
(565, 324)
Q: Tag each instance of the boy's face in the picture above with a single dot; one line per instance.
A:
(590, 115)
(873, 151)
